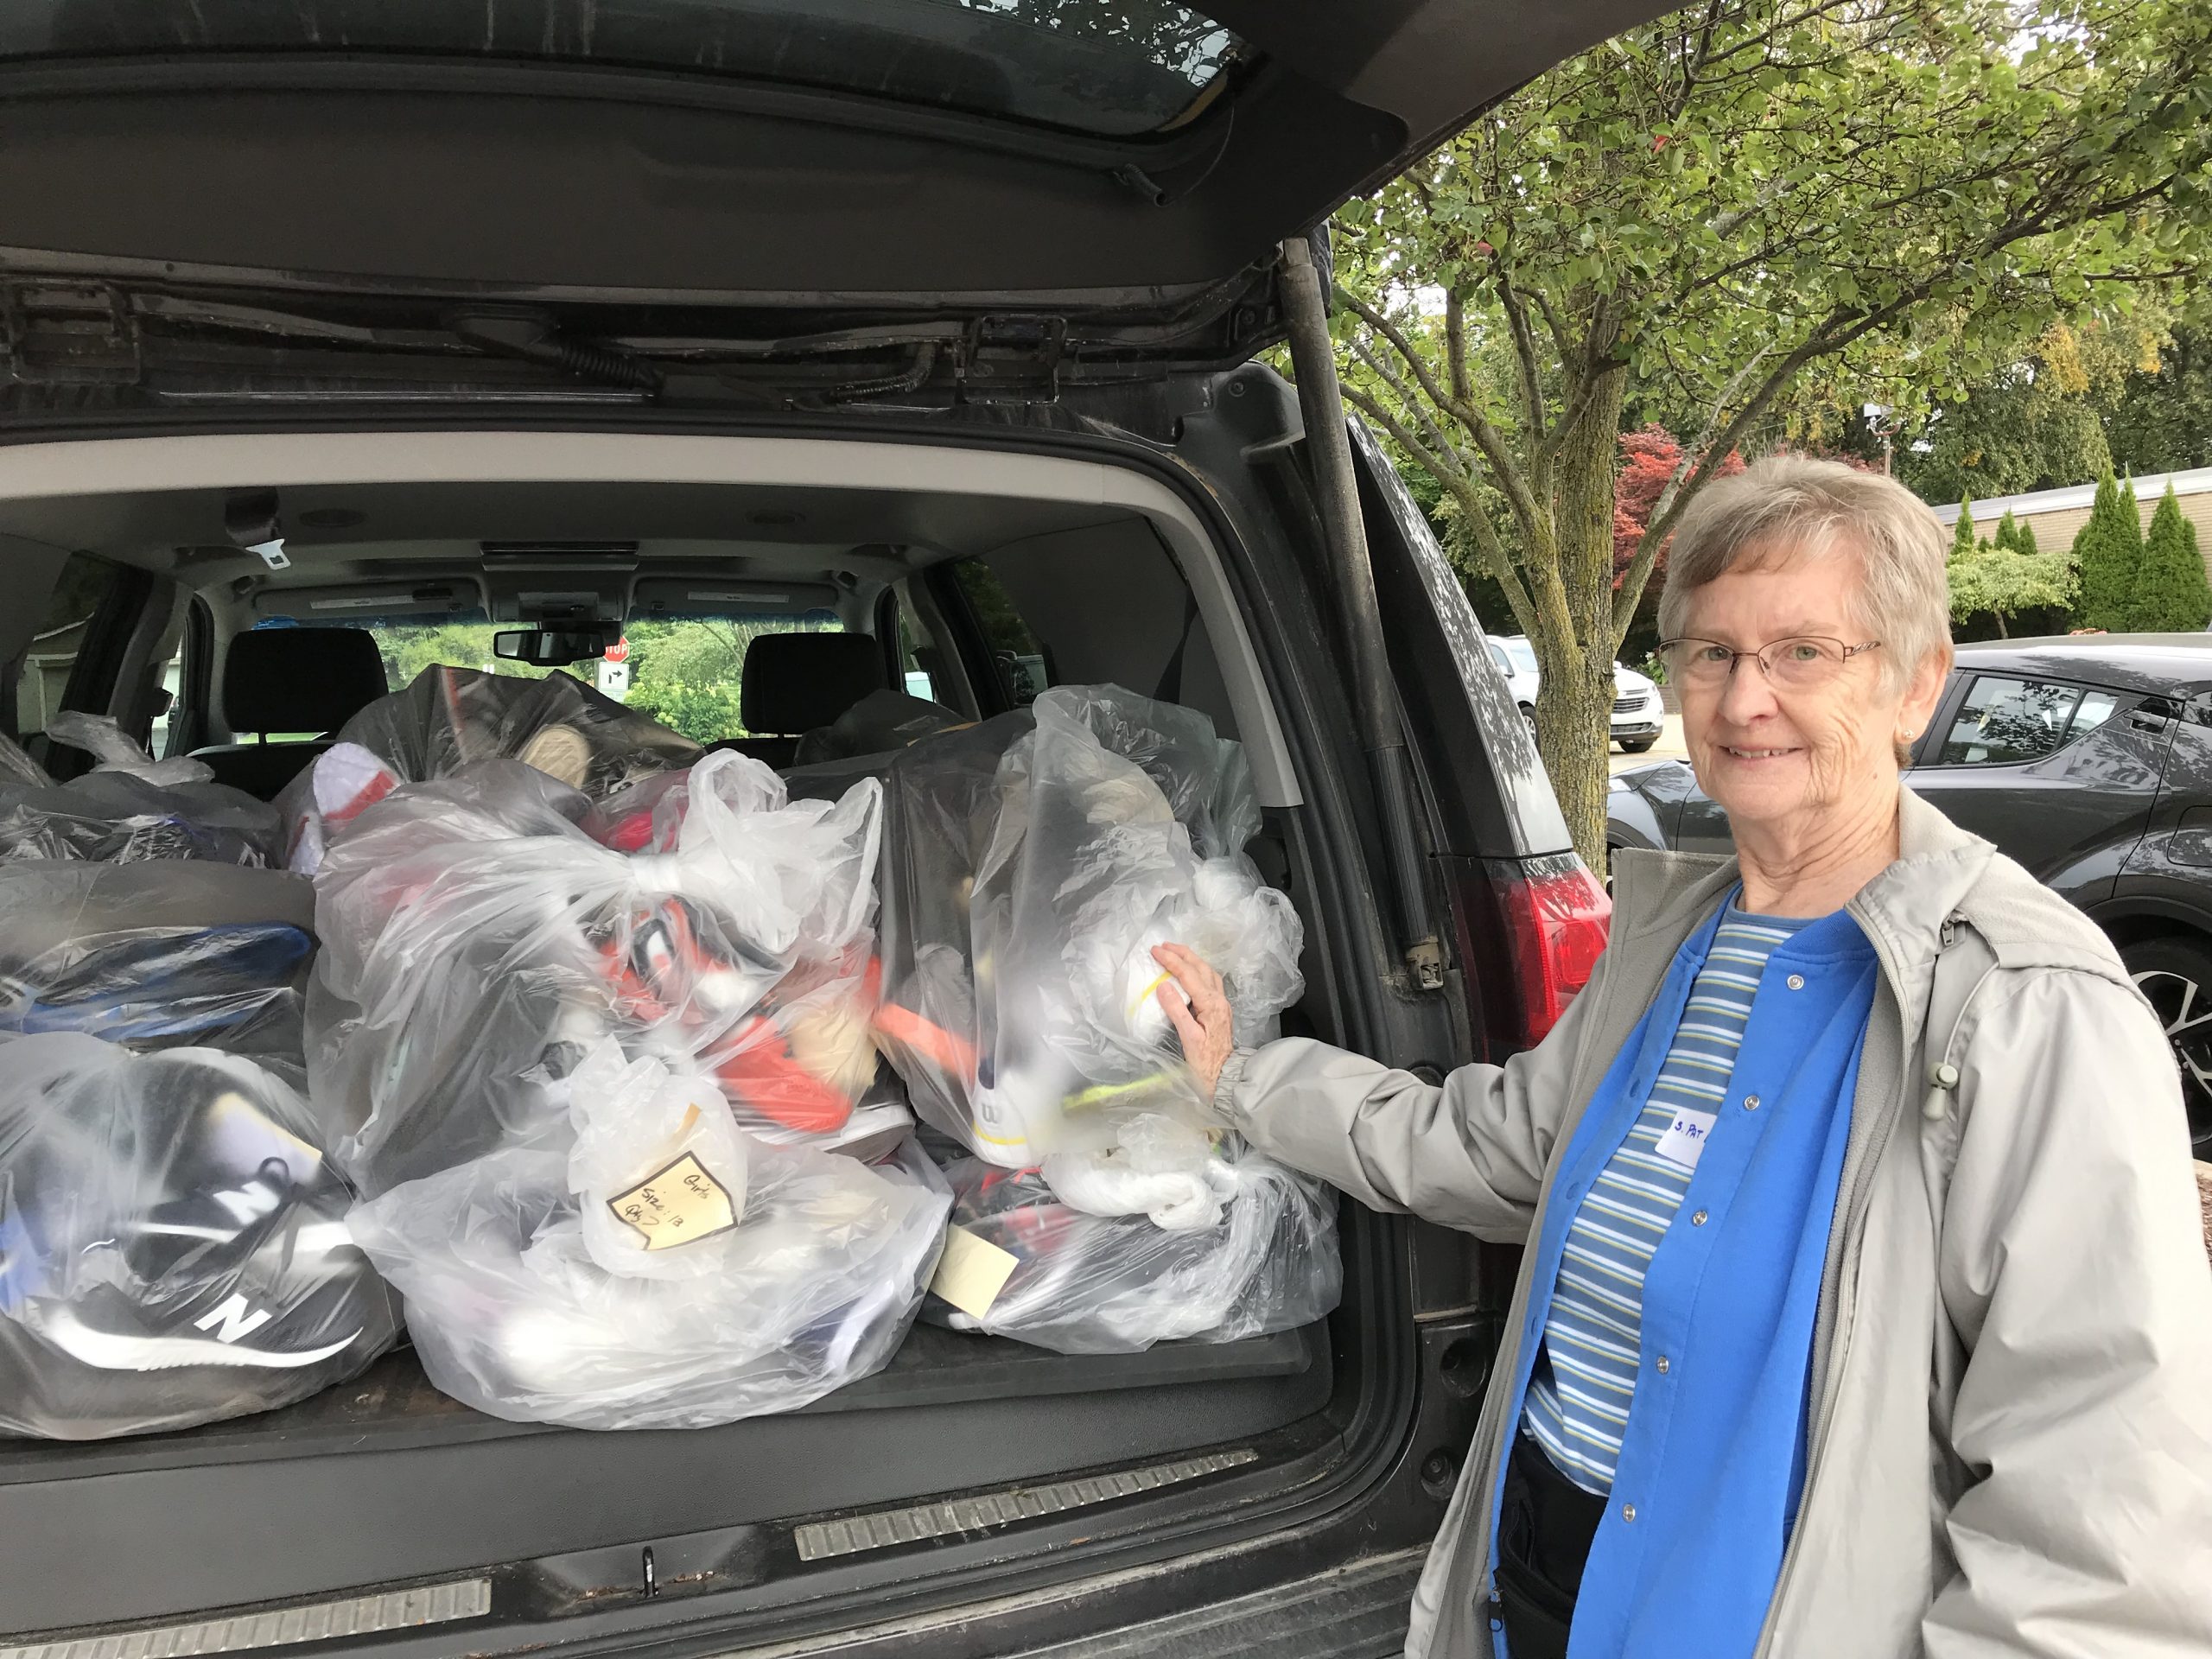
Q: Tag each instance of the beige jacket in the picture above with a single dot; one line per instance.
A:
(2011, 1449)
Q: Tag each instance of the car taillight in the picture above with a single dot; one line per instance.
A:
(1558, 916)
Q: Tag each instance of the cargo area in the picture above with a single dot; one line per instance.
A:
(825, 609)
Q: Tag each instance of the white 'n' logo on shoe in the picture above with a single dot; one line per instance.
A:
(237, 1317)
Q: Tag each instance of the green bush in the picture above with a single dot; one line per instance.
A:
(2108, 555)
(1962, 533)
(2171, 594)
(701, 712)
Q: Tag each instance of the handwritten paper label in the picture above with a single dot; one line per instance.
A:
(680, 1204)
(1684, 1141)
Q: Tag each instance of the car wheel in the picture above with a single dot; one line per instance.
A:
(1529, 715)
(1637, 745)
(2176, 974)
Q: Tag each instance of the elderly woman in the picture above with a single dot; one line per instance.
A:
(1862, 1311)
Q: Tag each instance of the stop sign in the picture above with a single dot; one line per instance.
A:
(619, 651)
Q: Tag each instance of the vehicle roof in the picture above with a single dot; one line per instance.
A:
(2137, 661)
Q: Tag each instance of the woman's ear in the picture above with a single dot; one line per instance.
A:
(1923, 691)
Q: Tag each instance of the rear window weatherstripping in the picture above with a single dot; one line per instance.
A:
(250, 1633)
(820, 1540)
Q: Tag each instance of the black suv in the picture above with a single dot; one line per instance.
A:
(2090, 760)
(933, 319)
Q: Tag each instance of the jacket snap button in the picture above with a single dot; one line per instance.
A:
(1750, 1102)
(1698, 1220)
(1628, 1511)
(1796, 981)
(1663, 1366)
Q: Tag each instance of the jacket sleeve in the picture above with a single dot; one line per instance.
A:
(2071, 1266)
(1470, 1154)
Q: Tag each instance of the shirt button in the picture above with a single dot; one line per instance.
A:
(1663, 1366)
(1796, 981)
(1698, 1220)
(1628, 1511)
(1750, 1102)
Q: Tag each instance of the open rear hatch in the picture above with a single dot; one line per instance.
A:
(689, 198)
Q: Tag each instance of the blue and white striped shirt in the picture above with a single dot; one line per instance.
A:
(1585, 1379)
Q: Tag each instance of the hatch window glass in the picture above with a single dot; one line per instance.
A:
(42, 675)
(1108, 66)
(2007, 722)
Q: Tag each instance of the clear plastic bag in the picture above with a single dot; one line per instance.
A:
(119, 817)
(477, 942)
(102, 737)
(172, 1244)
(1218, 1243)
(17, 767)
(450, 718)
(155, 957)
(1036, 861)
(546, 1286)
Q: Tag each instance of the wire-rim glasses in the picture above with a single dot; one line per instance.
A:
(1799, 662)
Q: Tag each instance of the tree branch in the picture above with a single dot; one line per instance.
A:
(1502, 569)
(1512, 482)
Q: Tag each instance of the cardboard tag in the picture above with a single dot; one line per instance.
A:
(1684, 1141)
(680, 1204)
(972, 1272)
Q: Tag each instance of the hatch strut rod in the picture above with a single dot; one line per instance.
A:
(1375, 696)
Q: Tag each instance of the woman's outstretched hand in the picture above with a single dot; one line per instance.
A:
(1198, 1005)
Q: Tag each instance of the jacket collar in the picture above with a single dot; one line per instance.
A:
(1902, 911)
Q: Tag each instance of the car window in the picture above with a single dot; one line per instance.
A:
(2095, 709)
(2007, 722)
(1015, 650)
(1113, 66)
(42, 675)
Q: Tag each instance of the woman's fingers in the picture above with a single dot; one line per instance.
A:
(1197, 976)
(1179, 1016)
(1198, 1007)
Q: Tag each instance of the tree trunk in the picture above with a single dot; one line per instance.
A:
(1574, 708)
(1574, 721)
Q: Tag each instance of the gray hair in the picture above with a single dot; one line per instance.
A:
(1787, 506)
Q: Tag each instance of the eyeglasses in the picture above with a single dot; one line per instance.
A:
(1794, 664)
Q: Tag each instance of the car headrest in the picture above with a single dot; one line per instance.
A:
(300, 679)
(796, 682)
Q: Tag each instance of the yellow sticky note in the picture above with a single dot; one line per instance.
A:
(680, 1204)
(972, 1272)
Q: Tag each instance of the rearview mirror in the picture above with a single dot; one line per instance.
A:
(555, 647)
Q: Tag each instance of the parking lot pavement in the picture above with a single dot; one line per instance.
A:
(1669, 747)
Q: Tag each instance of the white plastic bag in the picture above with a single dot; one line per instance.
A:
(103, 737)
(1242, 1246)
(657, 1166)
(173, 1247)
(1036, 861)
(531, 1297)
(477, 943)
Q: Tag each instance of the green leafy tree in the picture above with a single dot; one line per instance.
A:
(2108, 553)
(2036, 421)
(2161, 419)
(2170, 593)
(1714, 210)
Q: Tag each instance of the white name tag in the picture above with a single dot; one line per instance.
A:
(1685, 1138)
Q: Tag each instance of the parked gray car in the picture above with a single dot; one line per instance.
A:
(2089, 759)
